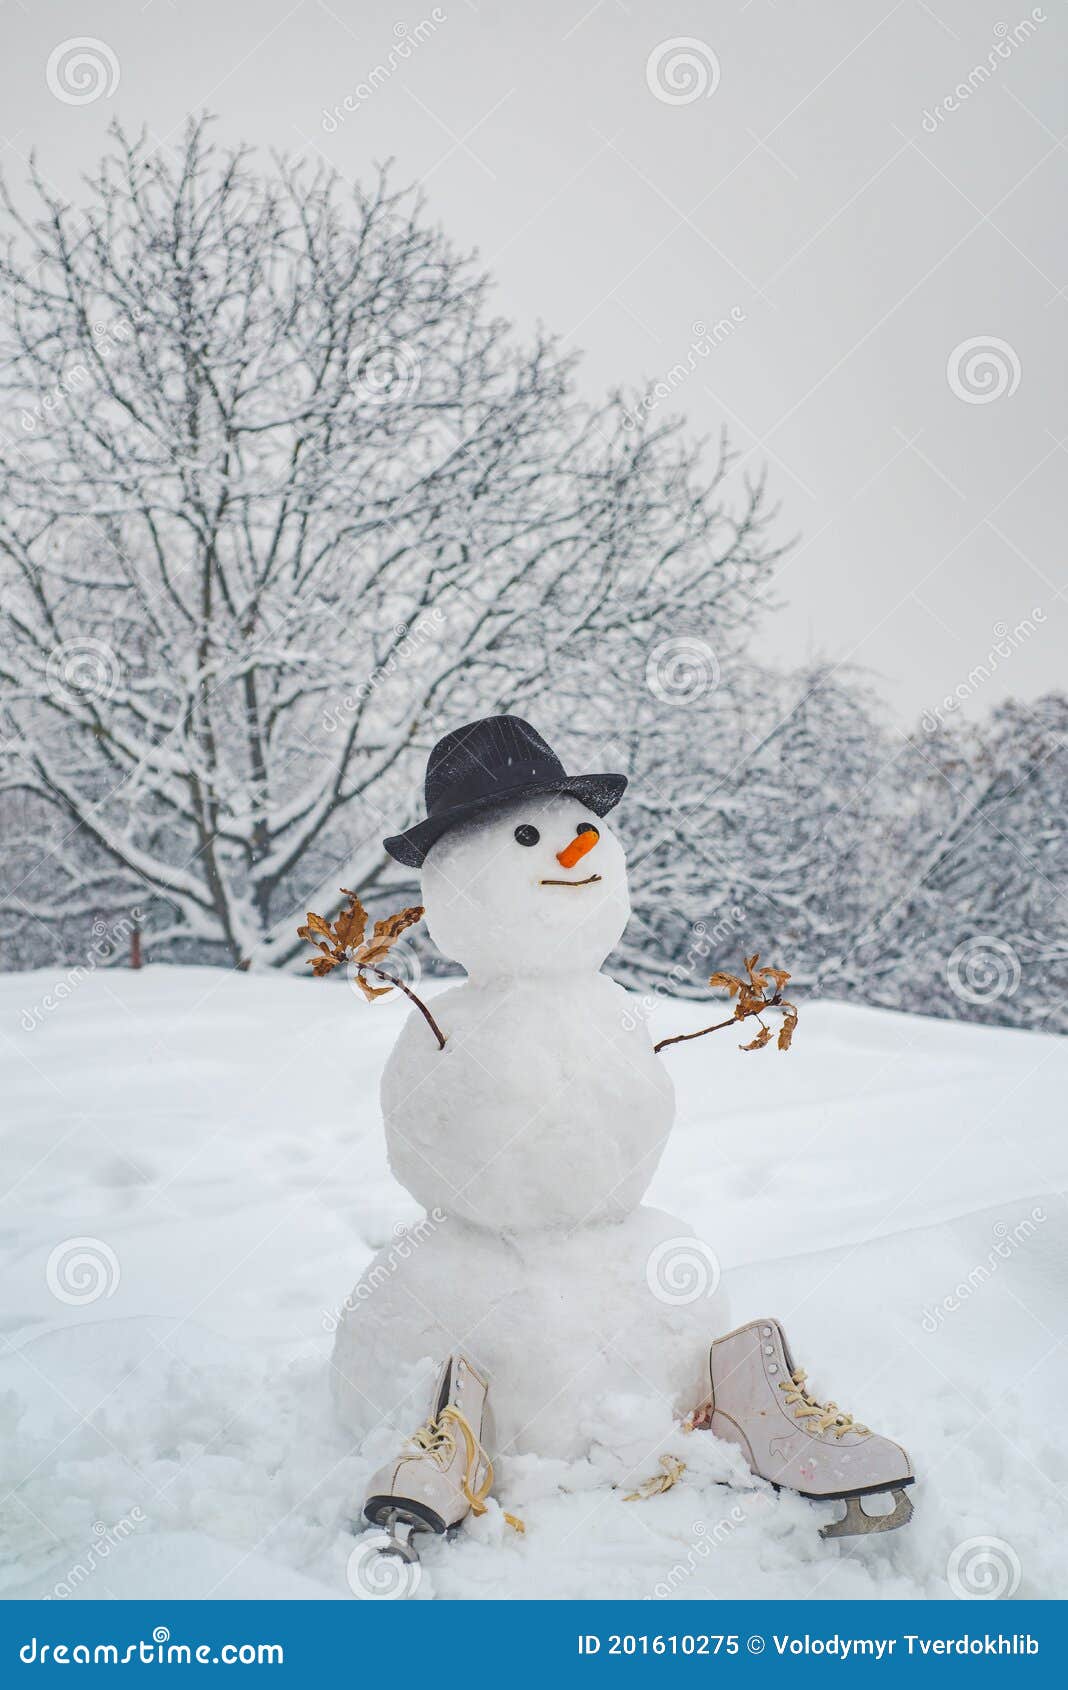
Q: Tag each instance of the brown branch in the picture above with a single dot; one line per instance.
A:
(680, 1037)
(731, 1021)
(418, 1002)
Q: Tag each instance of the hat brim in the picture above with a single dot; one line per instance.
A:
(600, 793)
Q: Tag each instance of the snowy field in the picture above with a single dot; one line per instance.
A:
(893, 1190)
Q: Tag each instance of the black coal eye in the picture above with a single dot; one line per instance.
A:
(588, 827)
(527, 835)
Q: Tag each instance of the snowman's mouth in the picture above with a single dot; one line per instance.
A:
(589, 881)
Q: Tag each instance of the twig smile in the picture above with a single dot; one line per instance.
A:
(589, 880)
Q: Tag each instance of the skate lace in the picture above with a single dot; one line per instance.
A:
(438, 1440)
(828, 1416)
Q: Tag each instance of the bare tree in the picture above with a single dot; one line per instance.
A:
(970, 917)
(282, 498)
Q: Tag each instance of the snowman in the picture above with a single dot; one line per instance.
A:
(527, 1114)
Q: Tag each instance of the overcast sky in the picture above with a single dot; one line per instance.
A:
(887, 252)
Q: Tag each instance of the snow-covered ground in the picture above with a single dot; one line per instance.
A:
(893, 1190)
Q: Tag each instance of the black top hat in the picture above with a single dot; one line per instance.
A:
(493, 762)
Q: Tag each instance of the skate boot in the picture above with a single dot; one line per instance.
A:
(443, 1472)
(760, 1402)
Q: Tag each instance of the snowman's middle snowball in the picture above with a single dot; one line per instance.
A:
(547, 1107)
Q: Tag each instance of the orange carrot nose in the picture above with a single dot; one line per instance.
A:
(582, 842)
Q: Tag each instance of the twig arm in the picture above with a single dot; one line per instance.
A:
(680, 1037)
(731, 1021)
(418, 1002)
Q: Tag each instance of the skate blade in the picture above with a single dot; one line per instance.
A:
(855, 1523)
(401, 1534)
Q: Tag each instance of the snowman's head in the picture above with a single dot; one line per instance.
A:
(536, 886)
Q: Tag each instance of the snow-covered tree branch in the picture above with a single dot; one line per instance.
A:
(281, 498)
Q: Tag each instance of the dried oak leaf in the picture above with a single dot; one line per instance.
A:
(388, 931)
(760, 1041)
(729, 982)
(779, 975)
(750, 1002)
(351, 924)
(789, 1022)
(671, 1472)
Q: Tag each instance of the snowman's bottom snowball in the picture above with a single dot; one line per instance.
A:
(559, 1324)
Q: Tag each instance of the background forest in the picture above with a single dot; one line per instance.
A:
(283, 499)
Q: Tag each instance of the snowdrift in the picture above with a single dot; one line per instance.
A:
(207, 1150)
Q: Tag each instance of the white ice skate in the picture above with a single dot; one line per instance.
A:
(443, 1473)
(760, 1401)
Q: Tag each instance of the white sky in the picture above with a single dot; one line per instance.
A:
(857, 248)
